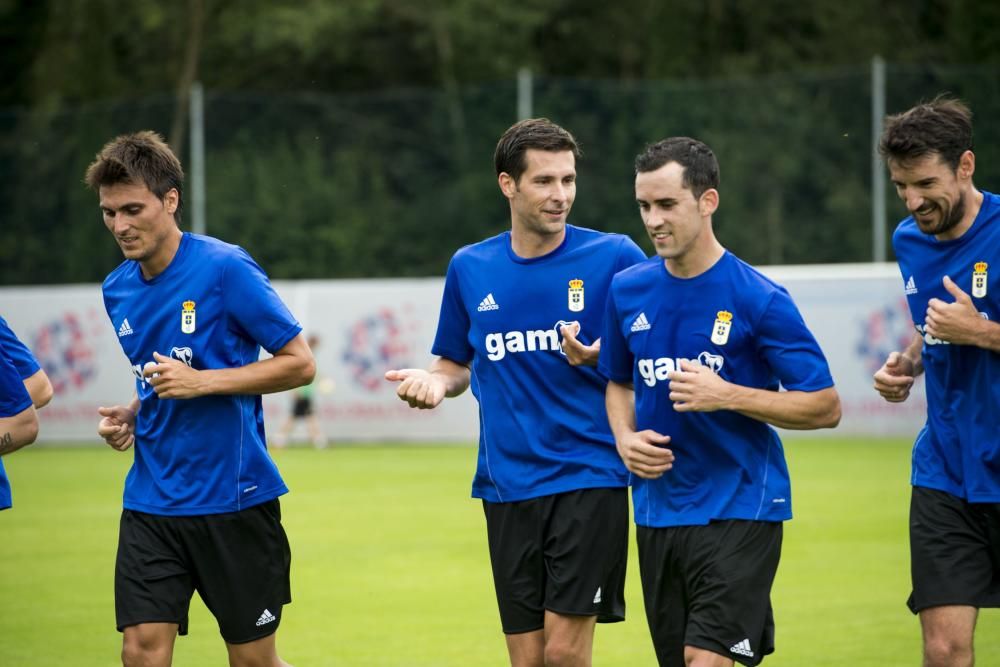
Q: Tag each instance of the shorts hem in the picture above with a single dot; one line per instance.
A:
(128, 624)
(533, 628)
(270, 631)
(749, 661)
(601, 617)
(916, 609)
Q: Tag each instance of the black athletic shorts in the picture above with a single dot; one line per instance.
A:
(954, 551)
(302, 407)
(710, 587)
(238, 562)
(564, 553)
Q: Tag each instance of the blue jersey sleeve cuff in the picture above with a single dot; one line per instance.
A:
(453, 355)
(620, 378)
(283, 340)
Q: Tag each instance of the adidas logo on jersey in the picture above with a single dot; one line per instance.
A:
(125, 329)
(489, 303)
(910, 287)
(268, 617)
(742, 648)
(640, 323)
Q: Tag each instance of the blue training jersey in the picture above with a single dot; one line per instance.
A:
(14, 399)
(542, 425)
(213, 307)
(18, 353)
(744, 327)
(958, 449)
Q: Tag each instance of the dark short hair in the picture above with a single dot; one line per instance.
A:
(533, 133)
(141, 158)
(701, 169)
(942, 127)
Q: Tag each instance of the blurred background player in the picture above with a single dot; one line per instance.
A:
(698, 344)
(201, 508)
(24, 387)
(553, 489)
(303, 408)
(948, 251)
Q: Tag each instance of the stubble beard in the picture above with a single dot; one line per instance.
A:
(949, 219)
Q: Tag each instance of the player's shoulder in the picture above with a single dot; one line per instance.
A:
(211, 248)
(587, 237)
(907, 230)
(752, 284)
(125, 272)
(485, 250)
(644, 272)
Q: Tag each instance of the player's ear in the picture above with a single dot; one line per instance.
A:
(170, 200)
(966, 165)
(508, 186)
(708, 202)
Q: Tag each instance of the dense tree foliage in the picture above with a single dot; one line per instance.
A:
(355, 138)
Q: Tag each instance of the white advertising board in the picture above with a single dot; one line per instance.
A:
(365, 327)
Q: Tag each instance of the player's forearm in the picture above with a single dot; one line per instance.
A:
(39, 388)
(279, 373)
(18, 430)
(987, 335)
(455, 376)
(619, 401)
(800, 410)
(914, 352)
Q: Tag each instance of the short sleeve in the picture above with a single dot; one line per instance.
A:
(17, 352)
(14, 398)
(615, 360)
(452, 338)
(254, 305)
(789, 348)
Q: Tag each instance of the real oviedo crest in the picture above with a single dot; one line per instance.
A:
(576, 295)
(979, 280)
(187, 317)
(720, 330)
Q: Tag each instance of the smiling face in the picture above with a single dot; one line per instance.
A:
(540, 200)
(935, 194)
(678, 224)
(142, 224)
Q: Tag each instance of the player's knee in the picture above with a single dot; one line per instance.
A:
(563, 653)
(946, 651)
(138, 653)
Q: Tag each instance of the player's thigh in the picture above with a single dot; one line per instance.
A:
(261, 651)
(954, 548)
(586, 553)
(243, 560)
(664, 590)
(515, 533)
(949, 625)
(153, 577)
(730, 568)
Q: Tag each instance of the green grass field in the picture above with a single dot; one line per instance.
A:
(390, 565)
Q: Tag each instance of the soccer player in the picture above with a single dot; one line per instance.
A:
(303, 408)
(698, 346)
(520, 319)
(18, 420)
(36, 381)
(201, 500)
(948, 251)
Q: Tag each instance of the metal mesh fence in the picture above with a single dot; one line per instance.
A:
(391, 183)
